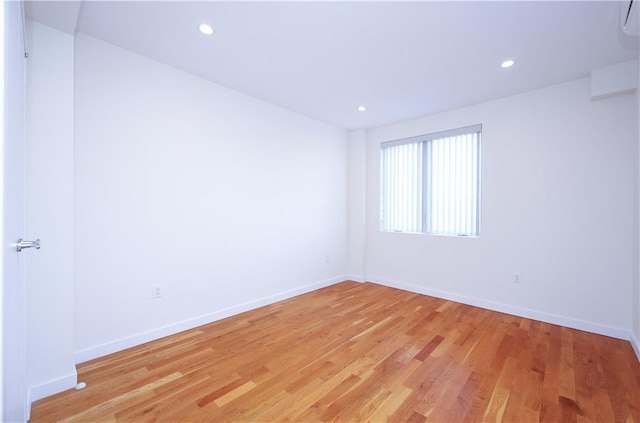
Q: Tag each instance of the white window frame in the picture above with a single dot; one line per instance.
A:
(471, 161)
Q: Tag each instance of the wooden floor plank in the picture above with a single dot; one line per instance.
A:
(356, 352)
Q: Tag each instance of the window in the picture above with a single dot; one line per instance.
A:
(431, 183)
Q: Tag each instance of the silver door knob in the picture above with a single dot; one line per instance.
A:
(22, 244)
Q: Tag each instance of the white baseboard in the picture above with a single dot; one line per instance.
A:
(140, 338)
(516, 311)
(356, 278)
(635, 344)
(52, 387)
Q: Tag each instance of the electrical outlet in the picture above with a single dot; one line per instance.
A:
(516, 278)
(156, 291)
(326, 260)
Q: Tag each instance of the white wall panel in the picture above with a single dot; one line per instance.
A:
(220, 198)
(558, 180)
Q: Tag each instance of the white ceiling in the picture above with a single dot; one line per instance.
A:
(400, 59)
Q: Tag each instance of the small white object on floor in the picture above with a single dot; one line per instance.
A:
(80, 385)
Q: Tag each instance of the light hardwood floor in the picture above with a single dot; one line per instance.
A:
(361, 352)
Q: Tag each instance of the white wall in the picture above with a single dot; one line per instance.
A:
(558, 181)
(616, 79)
(636, 283)
(356, 204)
(2, 111)
(224, 200)
(49, 210)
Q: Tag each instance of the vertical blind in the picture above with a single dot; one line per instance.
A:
(431, 183)
(402, 188)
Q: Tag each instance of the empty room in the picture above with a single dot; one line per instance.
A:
(320, 211)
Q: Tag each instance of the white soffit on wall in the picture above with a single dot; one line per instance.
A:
(621, 78)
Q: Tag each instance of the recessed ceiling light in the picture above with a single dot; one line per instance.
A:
(362, 108)
(507, 64)
(206, 29)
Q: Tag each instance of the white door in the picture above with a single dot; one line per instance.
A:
(14, 371)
